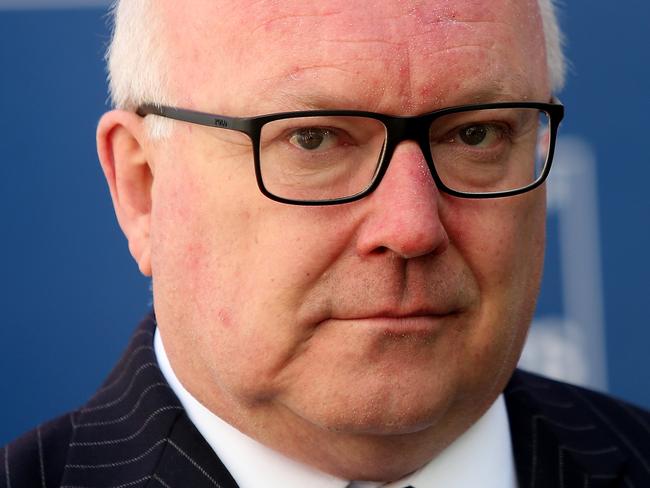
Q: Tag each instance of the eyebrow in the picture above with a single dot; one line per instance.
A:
(291, 99)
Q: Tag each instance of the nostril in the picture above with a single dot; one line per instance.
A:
(380, 250)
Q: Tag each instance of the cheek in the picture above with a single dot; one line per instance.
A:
(205, 267)
(179, 251)
(502, 241)
(199, 222)
(235, 272)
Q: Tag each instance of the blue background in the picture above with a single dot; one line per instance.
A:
(70, 294)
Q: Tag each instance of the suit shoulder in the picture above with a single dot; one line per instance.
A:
(37, 458)
(543, 387)
(629, 424)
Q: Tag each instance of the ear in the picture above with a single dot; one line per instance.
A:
(121, 138)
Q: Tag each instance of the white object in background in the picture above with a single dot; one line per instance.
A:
(572, 347)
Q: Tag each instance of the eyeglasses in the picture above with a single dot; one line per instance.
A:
(327, 157)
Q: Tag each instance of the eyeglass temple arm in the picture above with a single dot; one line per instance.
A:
(194, 117)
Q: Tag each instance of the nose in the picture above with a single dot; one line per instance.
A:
(403, 212)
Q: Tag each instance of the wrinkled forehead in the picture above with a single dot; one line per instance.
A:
(256, 56)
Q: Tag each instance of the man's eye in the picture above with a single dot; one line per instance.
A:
(313, 138)
(481, 135)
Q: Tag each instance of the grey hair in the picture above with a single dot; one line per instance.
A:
(138, 66)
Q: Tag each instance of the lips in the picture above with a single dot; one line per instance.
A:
(420, 323)
(398, 314)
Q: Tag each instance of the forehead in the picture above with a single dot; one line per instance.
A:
(398, 56)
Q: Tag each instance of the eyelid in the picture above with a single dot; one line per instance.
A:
(453, 124)
(327, 132)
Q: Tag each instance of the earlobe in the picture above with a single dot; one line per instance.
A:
(121, 148)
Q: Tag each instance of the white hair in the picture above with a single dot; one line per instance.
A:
(138, 65)
(137, 60)
(554, 39)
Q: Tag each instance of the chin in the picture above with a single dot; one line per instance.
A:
(388, 410)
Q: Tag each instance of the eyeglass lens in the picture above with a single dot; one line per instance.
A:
(331, 157)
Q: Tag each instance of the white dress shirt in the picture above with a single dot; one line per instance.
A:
(482, 456)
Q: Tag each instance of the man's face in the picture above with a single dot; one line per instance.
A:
(401, 313)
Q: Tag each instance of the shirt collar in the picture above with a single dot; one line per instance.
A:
(485, 445)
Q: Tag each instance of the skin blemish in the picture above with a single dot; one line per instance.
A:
(425, 91)
(224, 317)
(295, 74)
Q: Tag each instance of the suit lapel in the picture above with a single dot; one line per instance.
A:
(556, 440)
(134, 431)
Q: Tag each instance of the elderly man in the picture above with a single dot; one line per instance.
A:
(341, 206)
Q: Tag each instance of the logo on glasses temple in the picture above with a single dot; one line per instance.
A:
(220, 123)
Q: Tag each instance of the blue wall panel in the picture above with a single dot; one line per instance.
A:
(69, 293)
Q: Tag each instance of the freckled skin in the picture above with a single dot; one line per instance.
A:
(261, 304)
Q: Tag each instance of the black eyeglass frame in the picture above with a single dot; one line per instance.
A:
(398, 129)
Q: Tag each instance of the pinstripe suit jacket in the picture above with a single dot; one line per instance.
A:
(135, 433)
